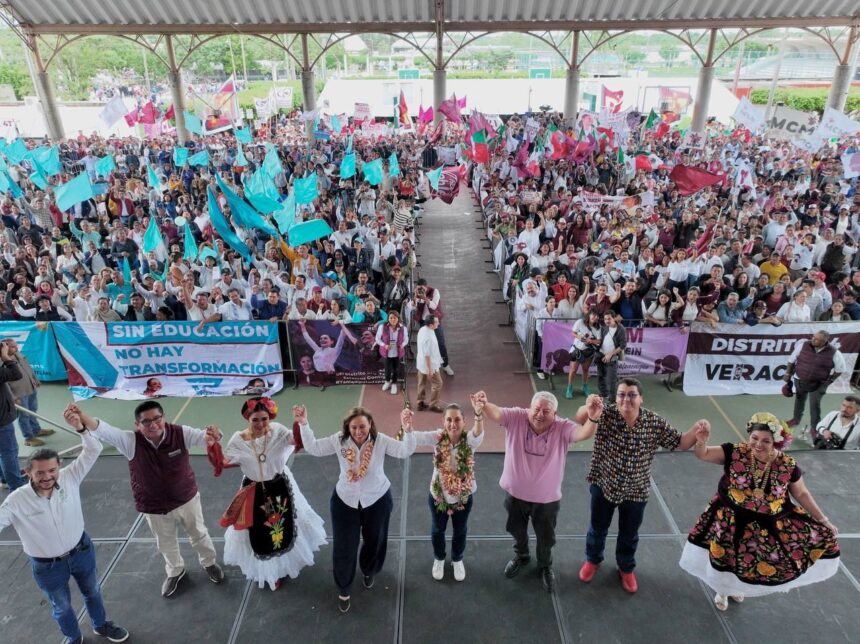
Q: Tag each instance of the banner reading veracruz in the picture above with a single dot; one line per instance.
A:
(731, 359)
(147, 359)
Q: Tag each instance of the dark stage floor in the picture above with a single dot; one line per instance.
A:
(407, 605)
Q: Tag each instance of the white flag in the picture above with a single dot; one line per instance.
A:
(263, 107)
(113, 111)
(834, 124)
(851, 164)
(748, 115)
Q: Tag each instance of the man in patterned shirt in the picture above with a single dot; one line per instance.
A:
(628, 436)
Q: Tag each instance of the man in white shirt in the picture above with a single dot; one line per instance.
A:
(843, 424)
(428, 363)
(235, 309)
(47, 515)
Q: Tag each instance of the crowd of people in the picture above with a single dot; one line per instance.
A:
(781, 250)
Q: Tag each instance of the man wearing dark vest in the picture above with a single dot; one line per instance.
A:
(815, 365)
(427, 301)
(163, 484)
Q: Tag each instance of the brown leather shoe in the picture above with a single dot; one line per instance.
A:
(421, 406)
(34, 442)
(435, 408)
(46, 432)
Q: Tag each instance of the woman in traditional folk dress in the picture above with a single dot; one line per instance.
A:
(361, 502)
(272, 531)
(452, 484)
(753, 540)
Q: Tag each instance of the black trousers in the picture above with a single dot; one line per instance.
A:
(392, 367)
(369, 524)
(543, 517)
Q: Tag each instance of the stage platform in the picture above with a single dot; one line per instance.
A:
(407, 605)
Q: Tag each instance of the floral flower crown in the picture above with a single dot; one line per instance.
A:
(781, 433)
(254, 404)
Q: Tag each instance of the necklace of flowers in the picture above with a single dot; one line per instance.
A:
(349, 454)
(457, 482)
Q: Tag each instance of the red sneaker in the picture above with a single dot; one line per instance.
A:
(628, 581)
(587, 571)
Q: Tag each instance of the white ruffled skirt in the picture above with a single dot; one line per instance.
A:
(310, 536)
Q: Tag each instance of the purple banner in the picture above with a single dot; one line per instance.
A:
(325, 354)
(649, 350)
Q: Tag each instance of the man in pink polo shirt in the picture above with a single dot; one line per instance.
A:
(536, 442)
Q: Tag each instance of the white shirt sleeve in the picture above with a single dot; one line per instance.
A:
(122, 440)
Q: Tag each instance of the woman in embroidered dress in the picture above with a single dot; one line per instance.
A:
(361, 502)
(283, 530)
(753, 540)
(452, 483)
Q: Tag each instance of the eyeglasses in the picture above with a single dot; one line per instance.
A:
(630, 395)
(148, 422)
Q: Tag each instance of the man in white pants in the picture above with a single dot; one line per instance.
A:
(163, 483)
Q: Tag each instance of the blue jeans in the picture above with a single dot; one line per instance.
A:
(10, 469)
(439, 524)
(29, 425)
(630, 515)
(53, 580)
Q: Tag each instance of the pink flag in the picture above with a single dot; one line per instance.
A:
(450, 108)
(611, 99)
(690, 180)
(170, 113)
(461, 103)
(425, 116)
(148, 114)
(131, 118)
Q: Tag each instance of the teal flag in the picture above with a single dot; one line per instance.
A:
(243, 213)
(153, 179)
(126, 272)
(240, 161)
(193, 124)
(219, 223)
(105, 166)
(7, 184)
(38, 176)
(373, 172)
(74, 192)
(48, 158)
(349, 144)
(393, 165)
(201, 158)
(272, 163)
(260, 190)
(336, 126)
(434, 175)
(190, 246)
(286, 215)
(306, 189)
(347, 166)
(243, 135)
(308, 231)
(152, 237)
(180, 156)
(16, 151)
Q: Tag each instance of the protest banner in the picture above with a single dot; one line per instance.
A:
(325, 354)
(594, 200)
(36, 342)
(132, 361)
(649, 350)
(362, 112)
(732, 359)
(787, 124)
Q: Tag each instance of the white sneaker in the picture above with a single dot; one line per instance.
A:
(386, 386)
(721, 602)
(438, 569)
(447, 369)
(393, 389)
(459, 570)
(541, 375)
(738, 599)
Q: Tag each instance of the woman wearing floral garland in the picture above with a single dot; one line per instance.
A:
(753, 540)
(272, 531)
(452, 484)
(361, 503)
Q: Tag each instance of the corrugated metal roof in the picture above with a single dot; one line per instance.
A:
(336, 15)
